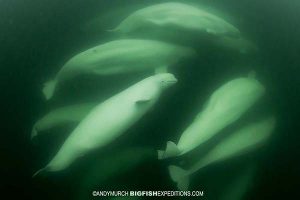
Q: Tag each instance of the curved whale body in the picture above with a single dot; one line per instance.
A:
(244, 140)
(120, 56)
(61, 116)
(110, 119)
(176, 19)
(225, 106)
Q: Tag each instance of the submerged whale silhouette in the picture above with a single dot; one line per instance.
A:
(110, 119)
(120, 56)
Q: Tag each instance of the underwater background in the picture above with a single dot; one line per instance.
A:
(38, 36)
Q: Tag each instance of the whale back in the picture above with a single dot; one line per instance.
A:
(182, 16)
(126, 55)
(109, 120)
(236, 95)
(241, 141)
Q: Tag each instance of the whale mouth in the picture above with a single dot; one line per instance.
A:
(172, 81)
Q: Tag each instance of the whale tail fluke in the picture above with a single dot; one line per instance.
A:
(40, 171)
(49, 88)
(180, 176)
(171, 151)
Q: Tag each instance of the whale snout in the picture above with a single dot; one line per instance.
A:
(172, 79)
(166, 79)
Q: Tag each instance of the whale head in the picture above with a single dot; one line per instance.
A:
(165, 80)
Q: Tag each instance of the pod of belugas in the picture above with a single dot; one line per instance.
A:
(225, 106)
(241, 141)
(61, 116)
(120, 56)
(112, 165)
(110, 119)
(176, 18)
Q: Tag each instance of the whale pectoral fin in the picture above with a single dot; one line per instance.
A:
(144, 97)
(160, 70)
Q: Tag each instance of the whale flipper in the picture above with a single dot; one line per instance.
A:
(49, 88)
(179, 176)
(171, 151)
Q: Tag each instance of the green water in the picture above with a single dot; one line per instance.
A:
(38, 37)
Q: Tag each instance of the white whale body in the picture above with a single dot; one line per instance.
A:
(120, 56)
(61, 116)
(241, 141)
(226, 105)
(110, 119)
(176, 16)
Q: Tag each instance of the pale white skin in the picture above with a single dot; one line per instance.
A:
(237, 143)
(226, 105)
(178, 15)
(61, 116)
(120, 56)
(110, 119)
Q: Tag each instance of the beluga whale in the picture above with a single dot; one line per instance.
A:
(61, 116)
(226, 105)
(177, 20)
(242, 141)
(110, 119)
(120, 56)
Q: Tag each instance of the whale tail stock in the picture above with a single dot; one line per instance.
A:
(171, 151)
(49, 88)
(180, 176)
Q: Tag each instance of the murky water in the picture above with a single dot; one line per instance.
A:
(38, 37)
